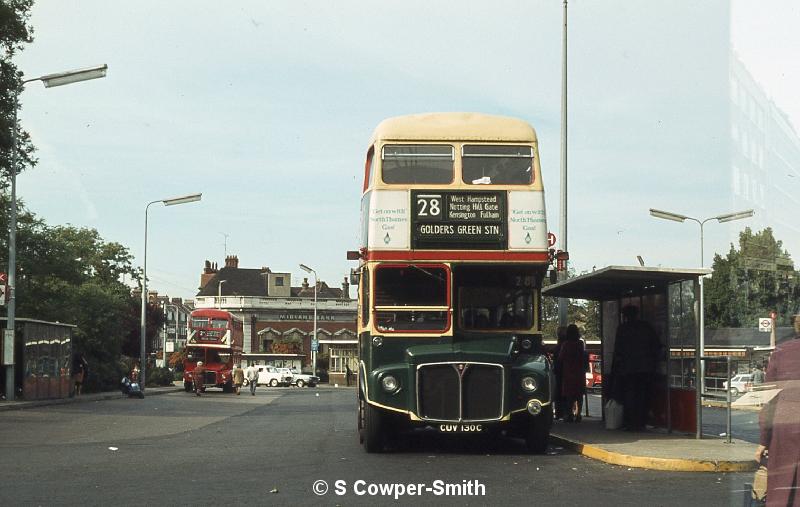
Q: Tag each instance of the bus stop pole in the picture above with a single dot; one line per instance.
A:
(698, 365)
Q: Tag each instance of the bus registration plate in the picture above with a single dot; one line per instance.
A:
(460, 428)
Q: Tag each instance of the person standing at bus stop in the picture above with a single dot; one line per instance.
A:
(779, 421)
(571, 361)
(252, 378)
(636, 350)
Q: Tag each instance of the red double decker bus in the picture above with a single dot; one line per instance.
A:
(215, 338)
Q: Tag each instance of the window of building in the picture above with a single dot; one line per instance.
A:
(278, 281)
(341, 358)
(497, 165)
(418, 163)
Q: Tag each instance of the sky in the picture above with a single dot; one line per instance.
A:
(266, 107)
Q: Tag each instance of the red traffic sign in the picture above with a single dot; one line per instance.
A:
(551, 239)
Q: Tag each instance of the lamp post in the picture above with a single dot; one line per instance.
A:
(314, 342)
(219, 294)
(700, 352)
(49, 80)
(167, 202)
(563, 303)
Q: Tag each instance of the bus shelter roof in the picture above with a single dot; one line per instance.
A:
(614, 282)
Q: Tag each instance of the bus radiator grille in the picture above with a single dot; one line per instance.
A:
(482, 391)
(460, 392)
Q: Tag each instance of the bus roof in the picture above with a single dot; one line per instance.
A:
(213, 313)
(454, 126)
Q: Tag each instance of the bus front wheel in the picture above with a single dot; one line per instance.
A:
(539, 431)
(371, 434)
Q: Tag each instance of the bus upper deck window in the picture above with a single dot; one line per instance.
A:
(422, 163)
(219, 323)
(497, 165)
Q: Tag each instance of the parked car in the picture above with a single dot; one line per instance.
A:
(271, 376)
(741, 383)
(304, 379)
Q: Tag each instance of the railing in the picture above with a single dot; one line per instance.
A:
(268, 302)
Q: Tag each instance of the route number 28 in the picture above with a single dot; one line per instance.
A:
(429, 206)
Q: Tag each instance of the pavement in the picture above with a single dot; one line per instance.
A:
(84, 398)
(654, 449)
(114, 395)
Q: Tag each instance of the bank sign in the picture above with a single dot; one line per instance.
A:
(452, 220)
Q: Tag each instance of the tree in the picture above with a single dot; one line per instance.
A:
(71, 275)
(584, 314)
(752, 281)
(14, 32)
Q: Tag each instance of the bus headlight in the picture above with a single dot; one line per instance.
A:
(528, 384)
(389, 384)
(377, 341)
(526, 344)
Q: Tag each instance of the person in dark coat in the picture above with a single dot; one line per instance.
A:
(80, 370)
(571, 362)
(636, 351)
(780, 425)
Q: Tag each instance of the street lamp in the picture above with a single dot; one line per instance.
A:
(167, 202)
(49, 80)
(314, 342)
(219, 293)
(699, 367)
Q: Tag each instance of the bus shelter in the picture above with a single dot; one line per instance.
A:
(667, 298)
(42, 359)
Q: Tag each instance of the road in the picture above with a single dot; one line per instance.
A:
(271, 448)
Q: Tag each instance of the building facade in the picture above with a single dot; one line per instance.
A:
(279, 318)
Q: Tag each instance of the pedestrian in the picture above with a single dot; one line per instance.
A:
(558, 402)
(571, 364)
(348, 372)
(779, 421)
(238, 378)
(252, 378)
(758, 375)
(636, 355)
(135, 372)
(80, 368)
(198, 375)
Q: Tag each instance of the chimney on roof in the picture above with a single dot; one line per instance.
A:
(305, 283)
(208, 273)
(232, 261)
(345, 289)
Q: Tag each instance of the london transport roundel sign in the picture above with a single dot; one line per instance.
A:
(765, 325)
(551, 239)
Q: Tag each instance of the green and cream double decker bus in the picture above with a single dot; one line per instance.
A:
(454, 249)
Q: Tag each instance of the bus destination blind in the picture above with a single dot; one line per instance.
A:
(455, 220)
